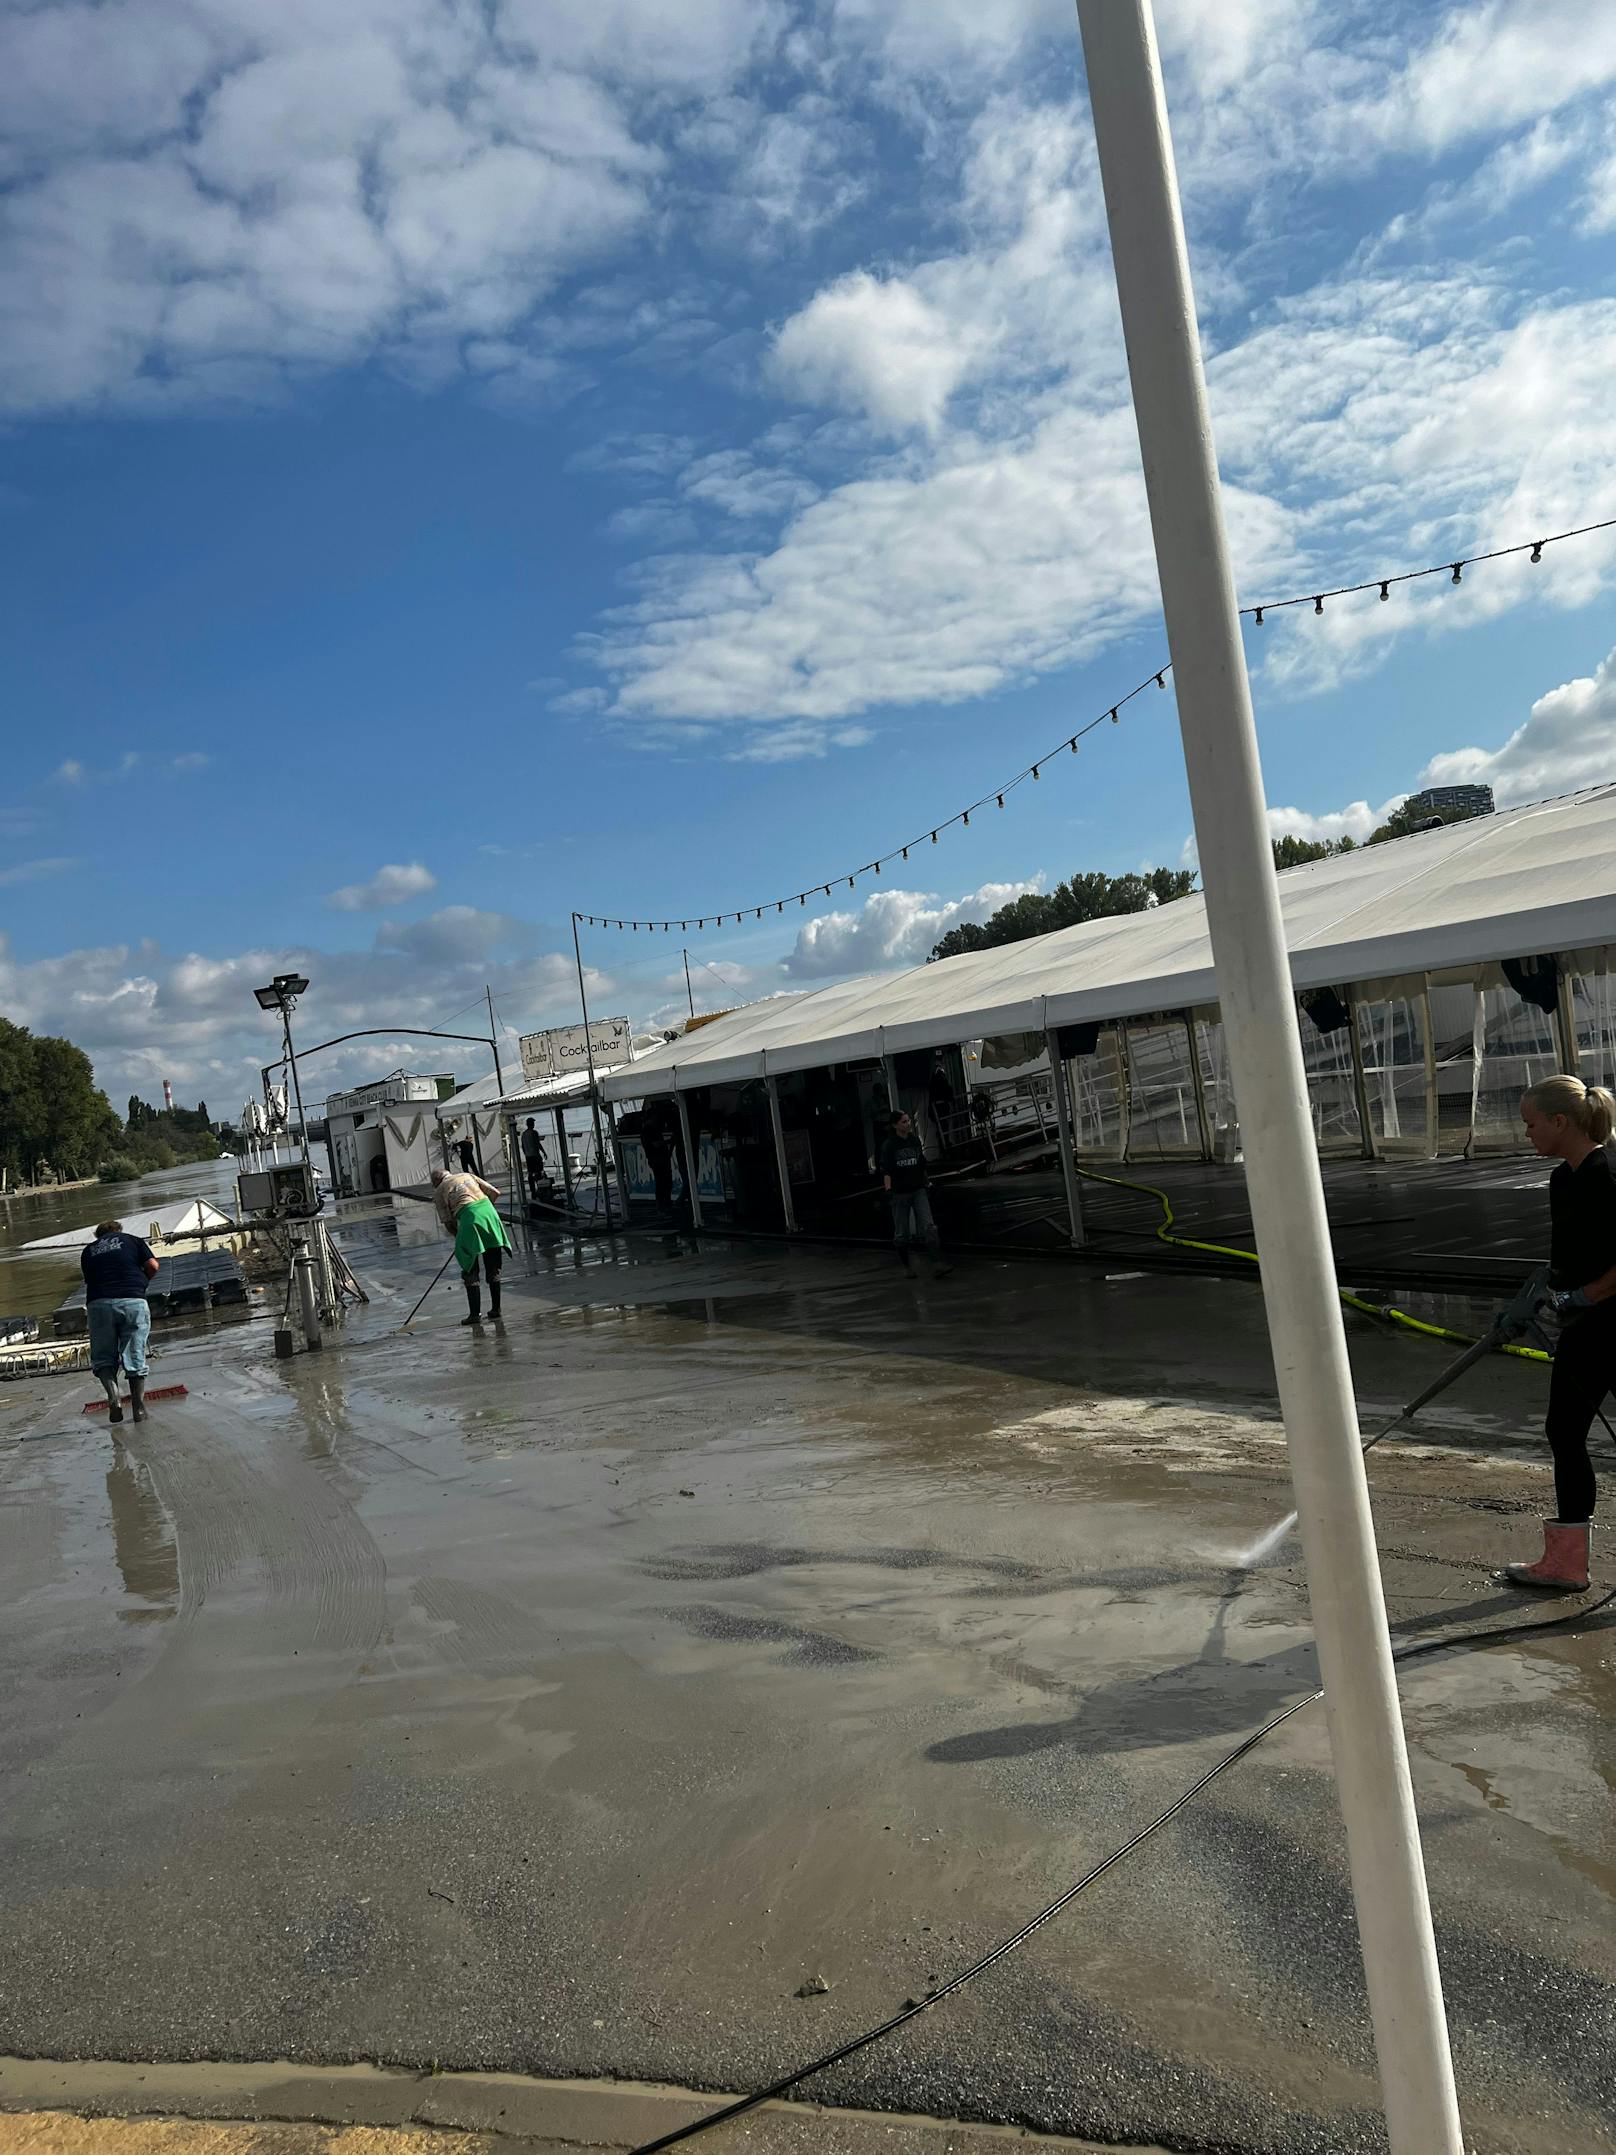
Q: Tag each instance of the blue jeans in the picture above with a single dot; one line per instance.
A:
(118, 1329)
(911, 1218)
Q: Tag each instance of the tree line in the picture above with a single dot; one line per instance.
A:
(55, 1120)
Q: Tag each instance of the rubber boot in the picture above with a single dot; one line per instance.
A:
(494, 1285)
(137, 1396)
(109, 1385)
(1563, 1566)
(474, 1303)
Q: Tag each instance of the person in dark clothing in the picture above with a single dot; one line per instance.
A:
(656, 1142)
(468, 1155)
(1572, 1123)
(904, 1178)
(117, 1268)
(533, 1159)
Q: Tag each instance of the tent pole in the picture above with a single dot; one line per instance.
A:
(786, 1205)
(1063, 1132)
(566, 1163)
(1360, 1083)
(617, 1158)
(1282, 1165)
(690, 1162)
(1565, 1010)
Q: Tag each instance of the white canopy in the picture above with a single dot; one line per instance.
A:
(1529, 880)
(171, 1222)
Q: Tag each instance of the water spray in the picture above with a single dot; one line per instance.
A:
(1518, 1319)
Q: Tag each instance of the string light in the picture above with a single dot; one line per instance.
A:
(1381, 585)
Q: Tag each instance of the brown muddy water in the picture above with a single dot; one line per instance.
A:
(575, 1696)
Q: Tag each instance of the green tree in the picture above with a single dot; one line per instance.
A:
(1404, 821)
(1088, 896)
(1292, 852)
(77, 1123)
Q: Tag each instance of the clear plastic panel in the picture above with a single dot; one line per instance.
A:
(1163, 1120)
(1099, 1101)
(1452, 1009)
(1392, 1037)
(1332, 1097)
(1218, 1085)
(1516, 1047)
(1593, 1000)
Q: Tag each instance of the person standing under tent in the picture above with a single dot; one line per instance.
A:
(904, 1178)
(533, 1159)
(117, 1269)
(468, 1155)
(465, 1204)
(1572, 1123)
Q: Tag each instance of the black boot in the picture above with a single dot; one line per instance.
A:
(474, 1304)
(109, 1385)
(137, 1396)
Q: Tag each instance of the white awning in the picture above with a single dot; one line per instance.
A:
(171, 1222)
(1529, 880)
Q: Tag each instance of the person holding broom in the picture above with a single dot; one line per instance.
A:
(465, 1204)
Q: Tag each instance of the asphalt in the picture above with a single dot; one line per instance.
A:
(575, 1698)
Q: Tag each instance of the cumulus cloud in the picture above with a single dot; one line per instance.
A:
(390, 885)
(455, 934)
(891, 928)
(877, 345)
(1354, 821)
(142, 1013)
(1567, 740)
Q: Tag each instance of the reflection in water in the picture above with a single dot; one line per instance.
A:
(142, 1544)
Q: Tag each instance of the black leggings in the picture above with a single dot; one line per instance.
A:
(492, 1260)
(1583, 1373)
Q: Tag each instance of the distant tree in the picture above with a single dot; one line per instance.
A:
(77, 1122)
(1402, 822)
(1088, 896)
(202, 1114)
(1292, 852)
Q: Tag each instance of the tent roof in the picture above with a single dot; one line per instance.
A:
(1527, 880)
(554, 1092)
(172, 1222)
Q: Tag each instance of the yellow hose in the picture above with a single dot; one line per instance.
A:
(1382, 1310)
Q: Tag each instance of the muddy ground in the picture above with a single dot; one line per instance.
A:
(571, 1697)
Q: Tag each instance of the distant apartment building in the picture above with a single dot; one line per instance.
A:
(1450, 801)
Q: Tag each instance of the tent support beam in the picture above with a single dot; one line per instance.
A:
(1063, 1132)
(690, 1162)
(787, 1207)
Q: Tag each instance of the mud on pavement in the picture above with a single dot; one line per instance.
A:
(575, 1698)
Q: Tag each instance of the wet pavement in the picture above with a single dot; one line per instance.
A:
(568, 1697)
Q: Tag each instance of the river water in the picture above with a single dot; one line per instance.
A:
(33, 1282)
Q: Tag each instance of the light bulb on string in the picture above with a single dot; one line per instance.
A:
(1385, 589)
(1537, 551)
(1318, 605)
(1458, 570)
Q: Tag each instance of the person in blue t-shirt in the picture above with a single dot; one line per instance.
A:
(117, 1268)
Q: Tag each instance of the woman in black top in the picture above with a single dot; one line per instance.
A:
(1572, 1122)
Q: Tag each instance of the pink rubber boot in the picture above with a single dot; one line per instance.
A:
(1563, 1566)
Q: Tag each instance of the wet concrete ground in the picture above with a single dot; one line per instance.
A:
(567, 1697)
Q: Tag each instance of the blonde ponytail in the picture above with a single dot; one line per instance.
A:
(1590, 1108)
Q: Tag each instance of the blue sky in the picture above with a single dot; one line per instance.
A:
(461, 463)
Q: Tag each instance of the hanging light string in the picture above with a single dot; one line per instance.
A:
(1453, 570)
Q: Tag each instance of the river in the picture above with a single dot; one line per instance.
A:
(33, 1282)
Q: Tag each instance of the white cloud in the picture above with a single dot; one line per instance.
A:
(796, 739)
(390, 885)
(877, 346)
(143, 1014)
(1567, 740)
(454, 934)
(1355, 821)
(192, 760)
(71, 773)
(891, 928)
(36, 871)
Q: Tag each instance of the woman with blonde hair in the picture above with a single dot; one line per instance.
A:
(1572, 1122)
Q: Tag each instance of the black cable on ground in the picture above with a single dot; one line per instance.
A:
(1452, 1643)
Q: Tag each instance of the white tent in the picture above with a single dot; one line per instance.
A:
(1527, 881)
(158, 1223)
